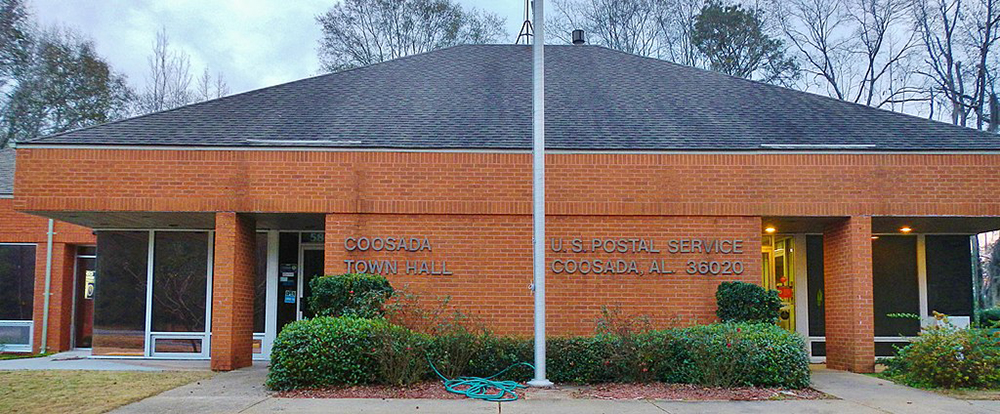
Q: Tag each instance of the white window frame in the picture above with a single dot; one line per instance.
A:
(925, 318)
(30, 324)
(150, 335)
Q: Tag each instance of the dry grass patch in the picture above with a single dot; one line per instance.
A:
(84, 391)
(968, 394)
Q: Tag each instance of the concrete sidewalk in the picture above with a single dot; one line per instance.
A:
(80, 360)
(241, 392)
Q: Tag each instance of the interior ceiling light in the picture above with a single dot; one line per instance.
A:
(905, 229)
(770, 229)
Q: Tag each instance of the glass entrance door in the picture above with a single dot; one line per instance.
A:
(778, 272)
(312, 266)
(86, 278)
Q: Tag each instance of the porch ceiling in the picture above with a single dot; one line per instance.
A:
(955, 225)
(135, 219)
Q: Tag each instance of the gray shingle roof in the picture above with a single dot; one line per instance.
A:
(479, 97)
(6, 171)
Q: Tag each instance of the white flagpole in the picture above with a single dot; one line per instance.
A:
(538, 193)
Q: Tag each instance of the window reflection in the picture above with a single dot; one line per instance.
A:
(120, 294)
(180, 281)
(17, 282)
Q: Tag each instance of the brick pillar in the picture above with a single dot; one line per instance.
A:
(60, 298)
(850, 325)
(232, 291)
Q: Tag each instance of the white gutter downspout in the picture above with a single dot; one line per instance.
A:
(48, 286)
(538, 194)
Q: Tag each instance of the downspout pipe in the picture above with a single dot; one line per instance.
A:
(48, 288)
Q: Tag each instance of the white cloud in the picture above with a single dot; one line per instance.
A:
(254, 43)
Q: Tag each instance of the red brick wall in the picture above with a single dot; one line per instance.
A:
(490, 261)
(487, 183)
(847, 267)
(232, 291)
(475, 208)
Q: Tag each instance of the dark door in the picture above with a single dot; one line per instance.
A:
(312, 266)
(288, 279)
(86, 277)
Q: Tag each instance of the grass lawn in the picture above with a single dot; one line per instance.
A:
(84, 391)
(4, 357)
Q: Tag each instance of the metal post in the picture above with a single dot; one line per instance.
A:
(538, 194)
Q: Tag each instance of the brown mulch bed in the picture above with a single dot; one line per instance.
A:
(657, 391)
(429, 390)
(687, 392)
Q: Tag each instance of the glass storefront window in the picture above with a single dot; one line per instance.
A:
(120, 293)
(987, 278)
(180, 281)
(17, 282)
(895, 285)
(949, 275)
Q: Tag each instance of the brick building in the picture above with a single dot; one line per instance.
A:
(662, 182)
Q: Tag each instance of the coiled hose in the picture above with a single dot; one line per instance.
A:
(485, 389)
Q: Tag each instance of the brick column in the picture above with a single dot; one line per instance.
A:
(60, 299)
(847, 264)
(232, 291)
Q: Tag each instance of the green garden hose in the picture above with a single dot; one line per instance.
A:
(485, 389)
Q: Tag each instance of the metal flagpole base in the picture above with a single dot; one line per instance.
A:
(540, 383)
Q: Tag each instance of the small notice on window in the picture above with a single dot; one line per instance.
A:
(88, 288)
(289, 296)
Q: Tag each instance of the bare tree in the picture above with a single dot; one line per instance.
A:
(982, 28)
(883, 47)
(677, 26)
(363, 32)
(169, 80)
(631, 26)
(209, 88)
(959, 39)
(937, 23)
(819, 31)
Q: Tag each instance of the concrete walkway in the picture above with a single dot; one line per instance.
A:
(79, 360)
(241, 392)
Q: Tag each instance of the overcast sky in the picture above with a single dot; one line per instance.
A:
(254, 43)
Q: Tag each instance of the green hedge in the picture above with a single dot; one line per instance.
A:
(990, 318)
(346, 351)
(949, 357)
(324, 351)
(746, 302)
(353, 294)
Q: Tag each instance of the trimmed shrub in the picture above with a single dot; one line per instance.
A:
(990, 318)
(746, 302)
(400, 354)
(451, 352)
(499, 352)
(579, 360)
(744, 354)
(949, 357)
(325, 351)
(353, 294)
(721, 355)
(329, 351)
